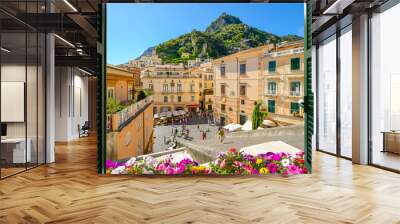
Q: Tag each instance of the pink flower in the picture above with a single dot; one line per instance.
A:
(293, 169)
(179, 169)
(223, 163)
(238, 164)
(276, 157)
(272, 167)
(169, 170)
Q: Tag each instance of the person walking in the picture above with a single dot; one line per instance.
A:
(221, 134)
(204, 135)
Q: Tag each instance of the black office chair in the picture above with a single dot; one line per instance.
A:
(84, 130)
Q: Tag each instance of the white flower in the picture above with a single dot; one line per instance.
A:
(145, 171)
(118, 170)
(131, 161)
(285, 162)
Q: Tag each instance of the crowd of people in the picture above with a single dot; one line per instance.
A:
(180, 127)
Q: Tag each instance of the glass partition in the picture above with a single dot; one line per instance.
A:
(346, 92)
(327, 95)
(385, 89)
(22, 77)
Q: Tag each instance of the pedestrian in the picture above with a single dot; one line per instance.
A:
(221, 134)
(204, 135)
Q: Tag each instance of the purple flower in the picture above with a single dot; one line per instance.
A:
(186, 161)
(276, 157)
(113, 164)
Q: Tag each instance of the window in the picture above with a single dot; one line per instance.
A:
(192, 98)
(165, 88)
(222, 89)
(242, 69)
(151, 86)
(165, 99)
(242, 102)
(192, 87)
(295, 64)
(271, 88)
(295, 88)
(222, 107)
(179, 98)
(179, 87)
(271, 106)
(272, 66)
(294, 107)
(172, 86)
(222, 70)
(130, 92)
(172, 98)
(110, 93)
(243, 90)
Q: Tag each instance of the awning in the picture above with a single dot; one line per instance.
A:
(175, 113)
(192, 105)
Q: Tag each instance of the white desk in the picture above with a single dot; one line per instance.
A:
(18, 147)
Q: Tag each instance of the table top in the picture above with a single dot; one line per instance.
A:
(13, 140)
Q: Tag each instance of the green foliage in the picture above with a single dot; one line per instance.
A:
(114, 106)
(257, 116)
(141, 95)
(224, 36)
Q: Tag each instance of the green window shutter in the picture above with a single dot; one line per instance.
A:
(271, 106)
(295, 64)
(294, 107)
(272, 66)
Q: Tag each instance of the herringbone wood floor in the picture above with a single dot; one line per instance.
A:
(70, 191)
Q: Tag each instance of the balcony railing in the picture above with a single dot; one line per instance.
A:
(117, 120)
(270, 92)
(294, 93)
(285, 52)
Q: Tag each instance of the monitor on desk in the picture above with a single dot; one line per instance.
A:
(3, 130)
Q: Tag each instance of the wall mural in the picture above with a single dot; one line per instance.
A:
(221, 94)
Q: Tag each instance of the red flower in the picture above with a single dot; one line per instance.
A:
(305, 170)
(232, 150)
(301, 161)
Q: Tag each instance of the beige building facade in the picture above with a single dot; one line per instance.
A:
(284, 79)
(238, 85)
(173, 88)
(273, 75)
(206, 74)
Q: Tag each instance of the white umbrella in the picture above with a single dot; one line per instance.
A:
(163, 114)
(175, 113)
(182, 112)
(169, 114)
(248, 126)
(233, 127)
(268, 123)
(155, 116)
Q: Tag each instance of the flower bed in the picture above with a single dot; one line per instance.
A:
(230, 162)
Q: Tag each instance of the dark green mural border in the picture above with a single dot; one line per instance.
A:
(101, 84)
(101, 88)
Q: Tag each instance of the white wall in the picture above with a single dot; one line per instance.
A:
(71, 102)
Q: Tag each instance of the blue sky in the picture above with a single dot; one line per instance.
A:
(132, 28)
